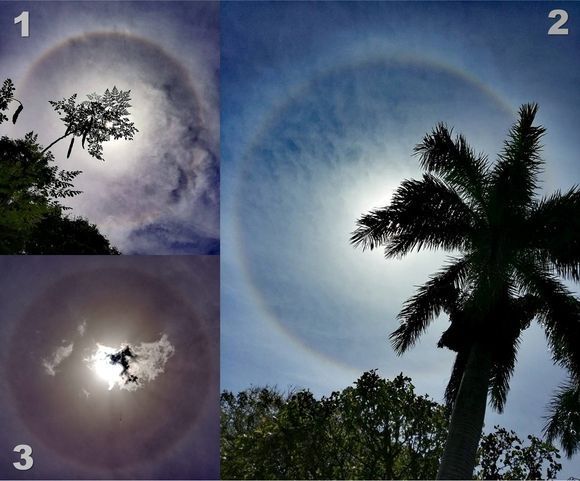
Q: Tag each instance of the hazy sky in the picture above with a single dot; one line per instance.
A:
(321, 106)
(157, 420)
(157, 194)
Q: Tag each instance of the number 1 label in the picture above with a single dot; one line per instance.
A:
(23, 20)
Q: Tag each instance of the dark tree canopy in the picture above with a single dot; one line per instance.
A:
(376, 429)
(33, 219)
(57, 233)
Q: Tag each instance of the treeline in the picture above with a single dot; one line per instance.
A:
(375, 429)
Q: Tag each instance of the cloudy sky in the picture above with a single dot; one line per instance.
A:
(157, 194)
(322, 104)
(110, 366)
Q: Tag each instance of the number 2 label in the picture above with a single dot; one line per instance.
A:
(557, 28)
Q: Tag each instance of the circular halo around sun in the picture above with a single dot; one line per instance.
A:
(333, 150)
(76, 413)
(154, 193)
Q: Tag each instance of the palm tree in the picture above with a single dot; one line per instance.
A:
(564, 421)
(512, 251)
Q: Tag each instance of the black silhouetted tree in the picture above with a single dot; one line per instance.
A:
(56, 234)
(95, 121)
(512, 251)
(376, 429)
(32, 187)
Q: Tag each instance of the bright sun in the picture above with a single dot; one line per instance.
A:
(101, 364)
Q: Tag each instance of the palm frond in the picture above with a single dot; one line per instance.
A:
(440, 292)
(504, 362)
(373, 229)
(514, 178)
(424, 213)
(553, 228)
(564, 418)
(558, 312)
(454, 161)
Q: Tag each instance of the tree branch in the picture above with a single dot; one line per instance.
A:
(57, 140)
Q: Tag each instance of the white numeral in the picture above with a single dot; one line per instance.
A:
(22, 19)
(557, 29)
(26, 460)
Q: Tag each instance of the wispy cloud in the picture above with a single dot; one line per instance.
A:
(57, 358)
(82, 328)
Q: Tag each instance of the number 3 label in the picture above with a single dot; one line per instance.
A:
(26, 460)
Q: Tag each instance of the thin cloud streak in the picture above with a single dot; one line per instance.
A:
(59, 355)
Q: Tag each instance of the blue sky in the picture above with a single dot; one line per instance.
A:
(321, 106)
(156, 194)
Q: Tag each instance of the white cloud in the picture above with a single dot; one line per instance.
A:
(151, 358)
(59, 355)
(130, 367)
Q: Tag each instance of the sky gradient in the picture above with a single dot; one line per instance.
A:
(321, 106)
(156, 194)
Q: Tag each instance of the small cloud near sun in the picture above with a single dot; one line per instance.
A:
(130, 367)
(59, 355)
(82, 328)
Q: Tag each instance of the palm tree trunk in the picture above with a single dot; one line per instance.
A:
(458, 461)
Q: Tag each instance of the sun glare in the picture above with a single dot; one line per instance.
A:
(100, 363)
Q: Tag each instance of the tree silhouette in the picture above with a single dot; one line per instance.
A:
(32, 218)
(95, 120)
(513, 251)
(56, 233)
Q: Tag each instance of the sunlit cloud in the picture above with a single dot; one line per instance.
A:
(130, 367)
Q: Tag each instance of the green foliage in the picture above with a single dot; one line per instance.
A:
(97, 120)
(32, 187)
(29, 189)
(503, 455)
(376, 429)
